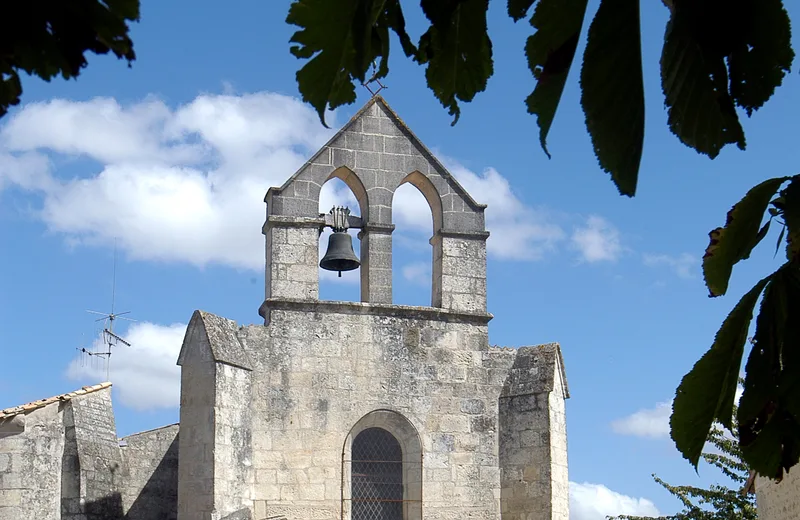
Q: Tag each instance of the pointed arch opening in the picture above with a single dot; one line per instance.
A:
(341, 188)
(417, 214)
(382, 469)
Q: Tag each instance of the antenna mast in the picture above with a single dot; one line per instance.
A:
(110, 339)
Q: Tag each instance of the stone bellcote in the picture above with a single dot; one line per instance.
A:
(374, 154)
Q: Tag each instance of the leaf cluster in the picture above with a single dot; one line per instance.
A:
(769, 411)
(718, 56)
(48, 38)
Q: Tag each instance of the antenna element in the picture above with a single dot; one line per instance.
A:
(110, 338)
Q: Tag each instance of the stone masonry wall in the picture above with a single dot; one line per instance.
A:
(102, 475)
(196, 442)
(317, 373)
(62, 461)
(374, 154)
(559, 478)
(151, 486)
(215, 473)
(533, 437)
(30, 467)
(233, 452)
(779, 500)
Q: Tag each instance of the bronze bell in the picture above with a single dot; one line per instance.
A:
(340, 255)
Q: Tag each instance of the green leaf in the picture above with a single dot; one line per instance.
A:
(10, 91)
(780, 239)
(769, 435)
(371, 35)
(762, 55)
(326, 38)
(518, 9)
(392, 17)
(732, 243)
(707, 392)
(550, 51)
(365, 17)
(50, 39)
(695, 84)
(457, 51)
(759, 237)
(791, 215)
(612, 91)
(342, 39)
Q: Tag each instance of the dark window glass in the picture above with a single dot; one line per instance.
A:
(377, 476)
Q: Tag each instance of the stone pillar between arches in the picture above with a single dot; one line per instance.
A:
(376, 263)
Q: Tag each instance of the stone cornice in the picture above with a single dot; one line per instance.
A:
(374, 309)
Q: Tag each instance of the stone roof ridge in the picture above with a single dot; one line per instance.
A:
(41, 403)
(548, 353)
(377, 98)
(223, 339)
(151, 430)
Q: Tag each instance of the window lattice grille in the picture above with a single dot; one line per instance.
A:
(376, 476)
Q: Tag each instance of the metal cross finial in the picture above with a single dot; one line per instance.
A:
(374, 79)
(381, 86)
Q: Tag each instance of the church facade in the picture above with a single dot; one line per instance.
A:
(365, 410)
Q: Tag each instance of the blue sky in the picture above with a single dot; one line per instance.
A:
(173, 156)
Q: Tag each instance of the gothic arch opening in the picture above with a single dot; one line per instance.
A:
(417, 215)
(342, 188)
(382, 469)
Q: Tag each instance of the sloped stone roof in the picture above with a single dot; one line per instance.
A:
(217, 334)
(41, 403)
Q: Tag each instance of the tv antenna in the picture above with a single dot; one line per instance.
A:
(110, 338)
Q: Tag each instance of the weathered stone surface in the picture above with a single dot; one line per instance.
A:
(151, 460)
(218, 336)
(778, 500)
(30, 466)
(67, 463)
(320, 368)
(374, 154)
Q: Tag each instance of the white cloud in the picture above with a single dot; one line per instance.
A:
(683, 265)
(518, 231)
(596, 502)
(29, 171)
(418, 273)
(181, 185)
(648, 422)
(145, 375)
(597, 241)
(410, 210)
(186, 184)
(652, 422)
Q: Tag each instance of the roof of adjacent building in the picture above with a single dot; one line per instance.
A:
(25, 408)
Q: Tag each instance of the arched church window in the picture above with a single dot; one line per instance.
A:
(376, 476)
